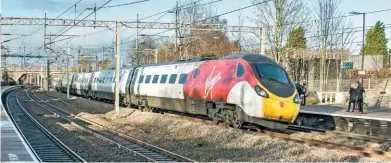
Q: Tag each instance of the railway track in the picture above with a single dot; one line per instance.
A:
(138, 147)
(44, 145)
(286, 136)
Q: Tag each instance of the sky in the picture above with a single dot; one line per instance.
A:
(53, 8)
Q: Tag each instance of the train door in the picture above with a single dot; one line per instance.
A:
(129, 85)
(138, 83)
(89, 85)
(190, 102)
(132, 81)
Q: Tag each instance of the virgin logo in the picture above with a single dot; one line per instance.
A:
(210, 82)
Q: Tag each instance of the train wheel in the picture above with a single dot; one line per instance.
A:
(237, 124)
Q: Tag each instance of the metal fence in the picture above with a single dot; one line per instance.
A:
(342, 85)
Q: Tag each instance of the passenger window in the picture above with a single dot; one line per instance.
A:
(163, 79)
(195, 73)
(182, 78)
(141, 79)
(172, 78)
(155, 78)
(148, 79)
(239, 70)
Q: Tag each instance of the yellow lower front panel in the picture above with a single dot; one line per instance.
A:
(280, 110)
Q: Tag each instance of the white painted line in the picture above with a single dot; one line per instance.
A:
(346, 116)
(27, 148)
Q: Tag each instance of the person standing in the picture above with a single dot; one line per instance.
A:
(353, 96)
(360, 96)
(304, 91)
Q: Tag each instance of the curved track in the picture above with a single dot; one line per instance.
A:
(138, 147)
(45, 146)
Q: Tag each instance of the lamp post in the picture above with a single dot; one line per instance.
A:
(363, 41)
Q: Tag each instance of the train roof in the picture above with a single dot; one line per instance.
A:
(252, 58)
(177, 62)
(248, 57)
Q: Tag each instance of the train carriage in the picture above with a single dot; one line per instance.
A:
(65, 81)
(238, 89)
(243, 88)
(103, 82)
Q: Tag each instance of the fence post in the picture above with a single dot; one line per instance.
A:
(369, 83)
(325, 99)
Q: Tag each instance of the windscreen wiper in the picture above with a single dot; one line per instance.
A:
(272, 79)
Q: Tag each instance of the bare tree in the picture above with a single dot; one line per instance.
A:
(333, 35)
(194, 14)
(277, 19)
(238, 36)
(145, 47)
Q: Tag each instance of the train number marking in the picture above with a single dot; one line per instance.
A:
(211, 81)
(13, 157)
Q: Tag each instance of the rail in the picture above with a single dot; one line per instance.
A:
(45, 146)
(138, 147)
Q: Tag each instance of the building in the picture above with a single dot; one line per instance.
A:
(371, 62)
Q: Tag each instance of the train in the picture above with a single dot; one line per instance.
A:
(239, 89)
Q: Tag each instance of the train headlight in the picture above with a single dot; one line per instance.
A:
(261, 92)
(297, 99)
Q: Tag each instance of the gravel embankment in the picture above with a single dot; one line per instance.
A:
(196, 140)
(89, 147)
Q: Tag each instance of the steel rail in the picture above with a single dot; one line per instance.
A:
(141, 148)
(45, 146)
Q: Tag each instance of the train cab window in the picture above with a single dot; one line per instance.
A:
(148, 79)
(195, 73)
(155, 78)
(172, 78)
(239, 70)
(141, 79)
(182, 78)
(163, 79)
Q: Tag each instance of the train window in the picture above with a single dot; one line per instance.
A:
(172, 78)
(155, 78)
(239, 70)
(141, 79)
(163, 79)
(182, 78)
(195, 73)
(148, 79)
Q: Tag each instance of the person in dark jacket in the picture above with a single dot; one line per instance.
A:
(304, 92)
(360, 96)
(301, 90)
(353, 96)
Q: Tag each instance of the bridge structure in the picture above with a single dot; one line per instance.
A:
(34, 75)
